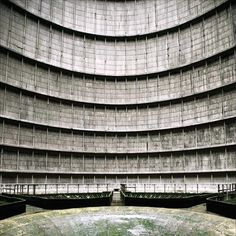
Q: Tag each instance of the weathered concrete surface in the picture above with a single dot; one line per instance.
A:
(118, 221)
(70, 51)
(118, 18)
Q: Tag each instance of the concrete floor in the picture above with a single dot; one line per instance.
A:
(118, 221)
(201, 208)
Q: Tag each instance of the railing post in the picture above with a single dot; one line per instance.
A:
(227, 191)
(34, 189)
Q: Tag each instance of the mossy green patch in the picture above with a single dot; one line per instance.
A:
(118, 221)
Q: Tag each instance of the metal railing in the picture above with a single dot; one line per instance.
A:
(172, 187)
(55, 188)
(226, 189)
(28, 188)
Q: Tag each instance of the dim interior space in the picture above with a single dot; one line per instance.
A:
(118, 117)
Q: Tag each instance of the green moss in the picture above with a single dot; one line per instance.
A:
(117, 221)
(230, 200)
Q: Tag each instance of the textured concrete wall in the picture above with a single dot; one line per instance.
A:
(198, 78)
(86, 97)
(117, 18)
(16, 104)
(197, 161)
(35, 136)
(68, 50)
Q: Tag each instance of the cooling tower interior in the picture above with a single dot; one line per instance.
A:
(118, 92)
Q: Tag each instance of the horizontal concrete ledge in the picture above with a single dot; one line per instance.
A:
(118, 173)
(22, 121)
(124, 37)
(129, 105)
(104, 76)
(186, 150)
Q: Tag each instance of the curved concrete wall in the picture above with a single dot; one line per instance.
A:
(117, 18)
(198, 162)
(107, 56)
(145, 94)
(198, 78)
(191, 111)
(43, 137)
